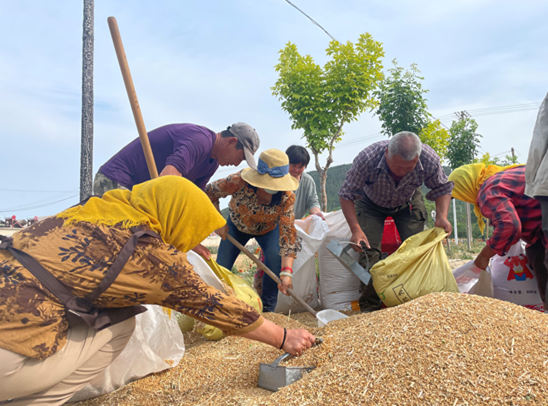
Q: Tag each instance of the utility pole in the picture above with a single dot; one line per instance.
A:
(455, 222)
(86, 150)
(513, 155)
(461, 115)
(469, 226)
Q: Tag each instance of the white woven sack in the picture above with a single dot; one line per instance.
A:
(338, 286)
(514, 279)
(313, 231)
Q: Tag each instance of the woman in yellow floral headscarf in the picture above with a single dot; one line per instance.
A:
(468, 180)
(498, 194)
(42, 357)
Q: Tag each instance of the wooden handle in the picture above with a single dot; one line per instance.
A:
(270, 273)
(128, 81)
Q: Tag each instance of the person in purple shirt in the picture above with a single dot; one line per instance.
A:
(188, 150)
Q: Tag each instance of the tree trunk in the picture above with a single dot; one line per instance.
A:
(322, 172)
(323, 179)
(86, 149)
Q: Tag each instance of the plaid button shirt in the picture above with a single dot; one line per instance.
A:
(369, 175)
(514, 215)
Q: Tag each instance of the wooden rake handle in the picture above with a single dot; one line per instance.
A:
(270, 273)
(133, 101)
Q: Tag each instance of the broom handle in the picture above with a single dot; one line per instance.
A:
(133, 101)
(270, 273)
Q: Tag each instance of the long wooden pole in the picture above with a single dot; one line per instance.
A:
(133, 101)
(113, 25)
(270, 273)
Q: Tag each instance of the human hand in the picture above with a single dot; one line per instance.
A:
(481, 262)
(222, 232)
(320, 215)
(316, 211)
(444, 223)
(297, 341)
(287, 283)
(203, 251)
(357, 237)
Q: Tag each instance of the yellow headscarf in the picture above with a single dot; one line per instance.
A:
(172, 206)
(468, 180)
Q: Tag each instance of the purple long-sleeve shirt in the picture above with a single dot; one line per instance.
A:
(187, 147)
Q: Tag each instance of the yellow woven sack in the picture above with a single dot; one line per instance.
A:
(417, 268)
(243, 291)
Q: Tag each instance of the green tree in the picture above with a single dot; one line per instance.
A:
(402, 106)
(320, 100)
(506, 161)
(462, 150)
(463, 142)
(436, 137)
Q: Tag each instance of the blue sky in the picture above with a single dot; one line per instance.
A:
(211, 63)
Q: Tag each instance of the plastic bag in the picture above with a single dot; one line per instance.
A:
(313, 231)
(156, 338)
(235, 285)
(339, 288)
(466, 276)
(240, 287)
(417, 268)
(514, 280)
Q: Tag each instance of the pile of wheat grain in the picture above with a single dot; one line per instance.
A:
(441, 349)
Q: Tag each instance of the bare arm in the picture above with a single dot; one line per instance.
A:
(287, 281)
(442, 210)
(482, 260)
(296, 341)
(170, 170)
(349, 212)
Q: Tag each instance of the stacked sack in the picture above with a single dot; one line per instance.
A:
(339, 288)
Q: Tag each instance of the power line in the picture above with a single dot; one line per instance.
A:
(496, 110)
(38, 191)
(310, 18)
(22, 208)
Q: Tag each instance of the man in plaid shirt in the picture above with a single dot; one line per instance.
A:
(385, 180)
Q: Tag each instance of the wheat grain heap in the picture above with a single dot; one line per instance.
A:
(441, 349)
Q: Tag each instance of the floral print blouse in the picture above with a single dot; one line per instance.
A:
(251, 217)
(33, 322)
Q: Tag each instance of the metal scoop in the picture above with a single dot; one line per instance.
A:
(273, 376)
(341, 253)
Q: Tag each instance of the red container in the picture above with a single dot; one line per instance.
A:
(391, 238)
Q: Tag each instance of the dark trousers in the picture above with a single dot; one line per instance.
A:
(270, 244)
(536, 257)
(409, 220)
(544, 209)
(537, 254)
